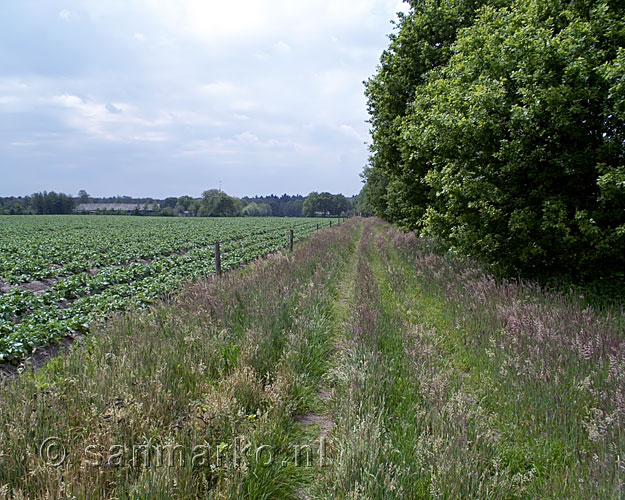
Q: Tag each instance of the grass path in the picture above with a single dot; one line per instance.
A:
(362, 366)
(452, 385)
(321, 419)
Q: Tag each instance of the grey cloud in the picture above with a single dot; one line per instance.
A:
(176, 113)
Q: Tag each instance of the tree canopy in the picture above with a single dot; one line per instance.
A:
(254, 209)
(324, 204)
(500, 128)
(52, 203)
(216, 203)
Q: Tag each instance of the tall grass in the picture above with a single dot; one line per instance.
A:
(445, 383)
(226, 364)
(548, 369)
(455, 385)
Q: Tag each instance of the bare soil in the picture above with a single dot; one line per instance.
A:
(4, 287)
(38, 358)
(325, 423)
(39, 286)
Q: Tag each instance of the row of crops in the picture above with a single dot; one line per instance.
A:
(94, 265)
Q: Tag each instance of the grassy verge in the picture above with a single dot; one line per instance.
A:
(456, 386)
(194, 399)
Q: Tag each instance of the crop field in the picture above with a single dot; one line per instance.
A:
(60, 274)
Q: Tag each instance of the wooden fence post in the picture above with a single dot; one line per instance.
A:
(217, 259)
(291, 240)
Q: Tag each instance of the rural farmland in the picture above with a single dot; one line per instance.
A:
(289, 251)
(62, 274)
(389, 371)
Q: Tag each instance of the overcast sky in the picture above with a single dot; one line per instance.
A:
(170, 97)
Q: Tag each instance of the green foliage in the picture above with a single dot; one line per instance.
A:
(281, 206)
(293, 208)
(216, 203)
(256, 210)
(324, 204)
(361, 205)
(512, 150)
(93, 266)
(15, 205)
(422, 42)
(83, 197)
(52, 203)
(184, 203)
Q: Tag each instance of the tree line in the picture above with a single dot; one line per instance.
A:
(39, 203)
(498, 126)
(212, 203)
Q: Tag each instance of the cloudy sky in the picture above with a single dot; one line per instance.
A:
(170, 97)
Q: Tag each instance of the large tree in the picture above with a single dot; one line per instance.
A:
(324, 204)
(421, 42)
(513, 149)
(52, 203)
(216, 203)
(83, 196)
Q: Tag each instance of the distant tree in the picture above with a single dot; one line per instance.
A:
(340, 205)
(327, 203)
(310, 204)
(52, 203)
(251, 210)
(169, 202)
(293, 208)
(83, 196)
(360, 204)
(16, 205)
(194, 206)
(283, 206)
(256, 210)
(216, 203)
(265, 210)
(273, 202)
(324, 204)
(183, 203)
